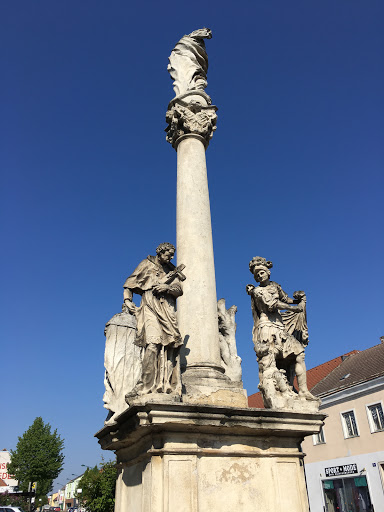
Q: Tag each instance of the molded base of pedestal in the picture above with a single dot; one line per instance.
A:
(184, 458)
(153, 398)
(207, 386)
(224, 397)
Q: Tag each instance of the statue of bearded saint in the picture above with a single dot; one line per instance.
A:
(158, 282)
(280, 336)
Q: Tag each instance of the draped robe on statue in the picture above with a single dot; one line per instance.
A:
(157, 328)
(188, 62)
(122, 361)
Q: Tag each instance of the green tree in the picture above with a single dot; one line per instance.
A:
(38, 457)
(98, 488)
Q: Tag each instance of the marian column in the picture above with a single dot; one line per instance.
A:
(191, 119)
(191, 444)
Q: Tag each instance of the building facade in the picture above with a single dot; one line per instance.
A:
(71, 498)
(344, 464)
(7, 481)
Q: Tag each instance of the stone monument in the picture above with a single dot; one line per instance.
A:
(122, 361)
(142, 352)
(230, 361)
(185, 439)
(279, 340)
(191, 121)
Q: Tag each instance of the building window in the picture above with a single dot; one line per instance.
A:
(319, 438)
(350, 494)
(349, 424)
(376, 417)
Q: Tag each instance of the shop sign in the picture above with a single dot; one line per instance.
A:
(346, 469)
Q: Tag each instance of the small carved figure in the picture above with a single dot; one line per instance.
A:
(227, 338)
(276, 391)
(279, 338)
(158, 282)
(188, 62)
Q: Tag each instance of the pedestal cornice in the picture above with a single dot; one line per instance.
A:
(142, 420)
(200, 458)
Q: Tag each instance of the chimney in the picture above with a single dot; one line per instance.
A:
(381, 339)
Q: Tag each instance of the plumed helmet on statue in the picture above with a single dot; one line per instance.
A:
(260, 263)
(164, 247)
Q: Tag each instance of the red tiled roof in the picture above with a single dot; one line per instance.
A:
(314, 376)
(256, 400)
(361, 367)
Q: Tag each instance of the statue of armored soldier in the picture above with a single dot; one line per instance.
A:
(280, 335)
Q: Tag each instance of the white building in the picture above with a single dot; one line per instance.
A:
(71, 498)
(344, 464)
(7, 481)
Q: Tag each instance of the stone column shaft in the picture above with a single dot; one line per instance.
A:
(197, 308)
(191, 123)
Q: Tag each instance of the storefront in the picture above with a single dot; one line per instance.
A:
(345, 490)
(69, 503)
(347, 484)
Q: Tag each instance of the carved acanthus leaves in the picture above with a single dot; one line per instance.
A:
(190, 118)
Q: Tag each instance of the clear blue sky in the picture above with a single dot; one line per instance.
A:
(88, 180)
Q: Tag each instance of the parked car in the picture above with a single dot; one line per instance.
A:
(6, 508)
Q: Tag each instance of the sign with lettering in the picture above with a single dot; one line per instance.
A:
(8, 480)
(346, 469)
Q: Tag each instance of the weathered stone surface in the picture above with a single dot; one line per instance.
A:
(191, 112)
(213, 391)
(231, 362)
(197, 308)
(210, 452)
(279, 340)
(203, 378)
(159, 284)
(188, 62)
(191, 115)
(191, 122)
(122, 361)
(204, 458)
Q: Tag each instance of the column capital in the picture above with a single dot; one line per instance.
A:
(191, 114)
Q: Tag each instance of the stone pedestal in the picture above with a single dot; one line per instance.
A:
(194, 458)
